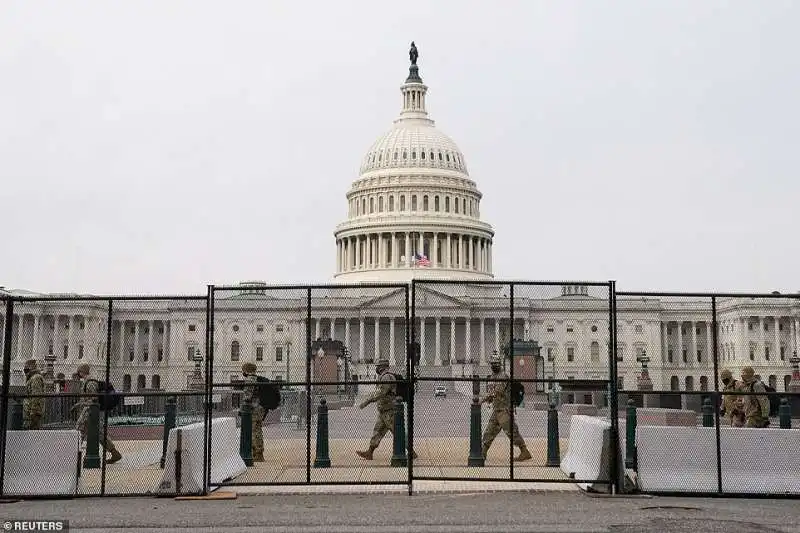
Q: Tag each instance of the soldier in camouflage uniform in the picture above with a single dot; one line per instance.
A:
(91, 387)
(32, 408)
(251, 396)
(384, 396)
(730, 409)
(499, 395)
(755, 408)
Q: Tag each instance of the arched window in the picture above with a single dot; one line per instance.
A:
(414, 202)
(141, 382)
(391, 203)
(155, 382)
(371, 204)
(436, 203)
(126, 382)
(464, 206)
(425, 203)
(447, 204)
(594, 351)
(403, 202)
(786, 379)
(689, 383)
(235, 351)
(773, 381)
(703, 383)
(455, 205)
(363, 206)
(674, 384)
(380, 204)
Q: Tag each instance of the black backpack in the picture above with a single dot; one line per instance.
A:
(774, 401)
(269, 394)
(402, 388)
(517, 393)
(107, 403)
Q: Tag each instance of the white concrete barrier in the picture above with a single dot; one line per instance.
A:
(226, 463)
(588, 452)
(41, 463)
(684, 459)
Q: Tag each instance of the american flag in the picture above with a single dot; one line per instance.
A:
(421, 260)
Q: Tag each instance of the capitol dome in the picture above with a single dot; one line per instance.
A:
(414, 211)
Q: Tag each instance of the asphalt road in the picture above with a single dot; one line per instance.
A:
(434, 513)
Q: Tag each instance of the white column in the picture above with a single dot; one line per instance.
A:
(20, 330)
(347, 332)
(361, 339)
(497, 335)
(467, 340)
(392, 357)
(777, 352)
(438, 360)
(693, 358)
(435, 252)
(462, 249)
(358, 252)
(482, 350)
(36, 337)
(408, 250)
(377, 340)
(150, 325)
(452, 340)
(679, 357)
(317, 325)
(422, 339)
(121, 341)
(421, 248)
(470, 250)
(449, 258)
(709, 358)
(381, 251)
(761, 340)
(664, 342)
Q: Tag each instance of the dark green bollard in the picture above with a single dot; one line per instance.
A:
(708, 413)
(92, 459)
(785, 414)
(322, 459)
(170, 412)
(630, 436)
(246, 435)
(16, 415)
(399, 457)
(553, 445)
(476, 457)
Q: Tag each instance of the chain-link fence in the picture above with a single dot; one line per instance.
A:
(509, 360)
(66, 431)
(320, 345)
(711, 392)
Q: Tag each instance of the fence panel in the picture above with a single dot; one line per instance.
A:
(546, 336)
(138, 345)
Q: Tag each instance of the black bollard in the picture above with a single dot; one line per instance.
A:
(322, 459)
(170, 412)
(246, 434)
(785, 414)
(708, 413)
(16, 415)
(92, 459)
(553, 445)
(630, 436)
(476, 457)
(399, 457)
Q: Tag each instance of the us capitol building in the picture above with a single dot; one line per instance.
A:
(413, 212)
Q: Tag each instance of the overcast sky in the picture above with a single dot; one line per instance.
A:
(156, 147)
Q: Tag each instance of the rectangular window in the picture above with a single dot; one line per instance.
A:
(278, 353)
(259, 328)
(190, 352)
(279, 328)
(80, 351)
(669, 355)
(145, 355)
(191, 327)
(699, 356)
(637, 329)
(766, 353)
(161, 354)
(66, 351)
(685, 356)
(570, 353)
(259, 353)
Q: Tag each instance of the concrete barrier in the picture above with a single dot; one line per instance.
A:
(41, 463)
(684, 459)
(588, 453)
(184, 473)
(654, 416)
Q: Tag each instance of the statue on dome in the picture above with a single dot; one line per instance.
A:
(413, 54)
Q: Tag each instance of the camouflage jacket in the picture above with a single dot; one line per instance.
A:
(384, 393)
(729, 401)
(756, 407)
(34, 385)
(91, 387)
(250, 391)
(499, 392)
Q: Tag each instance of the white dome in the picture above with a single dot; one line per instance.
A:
(410, 145)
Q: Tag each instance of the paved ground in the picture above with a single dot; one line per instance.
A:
(435, 513)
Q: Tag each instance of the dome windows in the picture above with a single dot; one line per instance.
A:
(405, 154)
(422, 154)
(402, 202)
(425, 203)
(436, 203)
(380, 204)
(432, 155)
(413, 154)
(391, 203)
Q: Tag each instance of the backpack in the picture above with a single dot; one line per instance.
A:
(269, 395)
(401, 387)
(517, 393)
(774, 401)
(107, 403)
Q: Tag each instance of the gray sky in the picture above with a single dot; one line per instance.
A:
(157, 147)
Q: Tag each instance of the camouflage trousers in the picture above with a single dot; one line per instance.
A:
(736, 419)
(83, 424)
(384, 424)
(257, 434)
(501, 419)
(32, 421)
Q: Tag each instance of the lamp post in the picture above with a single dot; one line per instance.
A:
(288, 347)
(644, 382)
(794, 384)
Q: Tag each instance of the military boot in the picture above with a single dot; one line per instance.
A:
(484, 450)
(524, 454)
(367, 454)
(258, 457)
(115, 456)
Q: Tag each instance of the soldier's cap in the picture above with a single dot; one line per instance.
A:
(83, 368)
(748, 372)
(725, 374)
(248, 368)
(382, 362)
(494, 360)
(30, 364)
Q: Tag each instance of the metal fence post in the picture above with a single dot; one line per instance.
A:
(785, 414)
(630, 435)
(708, 413)
(322, 460)
(170, 411)
(476, 457)
(7, 332)
(246, 433)
(399, 457)
(553, 444)
(92, 459)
